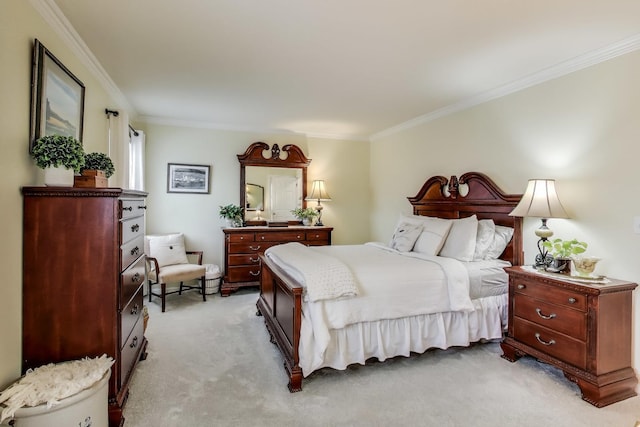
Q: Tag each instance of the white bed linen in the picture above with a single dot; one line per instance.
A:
(487, 278)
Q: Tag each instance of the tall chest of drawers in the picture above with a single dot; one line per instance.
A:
(584, 329)
(243, 247)
(83, 270)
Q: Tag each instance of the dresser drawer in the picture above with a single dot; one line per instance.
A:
(131, 251)
(281, 236)
(244, 273)
(131, 207)
(551, 342)
(132, 228)
(318, 237)
(559, 318)
(249, 248)
(129, 316)
(241, 237)
(130, 350)
(130, 281)
(244, 259)
(552, 294)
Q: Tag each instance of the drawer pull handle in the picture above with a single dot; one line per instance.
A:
(134, 309)
(134, 342)
(142, 207)
(543, 342)
(130, 209)
(135, 228)
(254, 248)
(572, 300)
(521, 286)
(135, 278)
(254, 260)
(135, 251)
(549, 317)
(262, 237)
(254, 273)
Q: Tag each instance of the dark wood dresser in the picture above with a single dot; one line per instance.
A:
(584, 329)
(243, 247)
(83, 270)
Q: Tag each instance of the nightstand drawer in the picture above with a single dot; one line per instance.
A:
(244, 273)
(552, 294)
(556, 317)
(548, 341)
(318, 236)
(244, 259)
(241, 237)
(281, 236)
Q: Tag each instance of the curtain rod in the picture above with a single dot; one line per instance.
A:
(116, 114)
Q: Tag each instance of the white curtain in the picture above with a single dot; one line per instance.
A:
(136, 161)
(119, 148)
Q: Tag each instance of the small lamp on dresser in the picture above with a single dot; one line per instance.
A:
(540, 200)
(319, 193)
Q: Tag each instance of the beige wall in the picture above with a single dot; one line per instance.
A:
(581, 129)
(19, 25)
(343, 164)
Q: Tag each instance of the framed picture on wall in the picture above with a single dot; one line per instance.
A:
(57, 97)
(185, 178)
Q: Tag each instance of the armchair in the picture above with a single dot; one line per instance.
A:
(168, 262)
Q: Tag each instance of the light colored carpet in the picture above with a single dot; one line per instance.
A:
(211, 364)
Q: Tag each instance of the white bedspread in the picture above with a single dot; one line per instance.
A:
(323, 276)
(391, 285)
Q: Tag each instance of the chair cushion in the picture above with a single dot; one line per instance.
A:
(168, 249)
(180, 273)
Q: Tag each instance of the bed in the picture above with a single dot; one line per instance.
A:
(434, 293)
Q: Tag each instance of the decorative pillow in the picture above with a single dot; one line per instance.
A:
(501, 239)
(434, 232)
(168, 249)
(484, 238)
(461, 241)
(405, 236)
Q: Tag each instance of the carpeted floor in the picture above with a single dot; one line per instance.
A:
(211, 364)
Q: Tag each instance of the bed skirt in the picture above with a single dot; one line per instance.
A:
(387, 338)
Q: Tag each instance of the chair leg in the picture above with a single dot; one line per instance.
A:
(180, 290)
(163, 294)
(150, 289)
(203, 287)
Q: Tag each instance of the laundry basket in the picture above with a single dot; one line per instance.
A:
(212, 279)
(86, 408)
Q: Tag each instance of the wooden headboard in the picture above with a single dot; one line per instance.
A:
(472, 194)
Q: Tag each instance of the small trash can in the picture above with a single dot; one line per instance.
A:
(212, 278)
(86, 408)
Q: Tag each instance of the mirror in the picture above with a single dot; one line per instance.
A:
(279, 176)
(255, 197)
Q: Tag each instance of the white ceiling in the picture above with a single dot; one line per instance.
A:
(341, 68)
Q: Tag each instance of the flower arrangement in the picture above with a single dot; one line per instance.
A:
(58, 151)
(98, 161)
(559, 248)
(305, 213)
(232, 213)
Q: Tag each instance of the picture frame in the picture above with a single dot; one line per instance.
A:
(57, 97)
(187, 178)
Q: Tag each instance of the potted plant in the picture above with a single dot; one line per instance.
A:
(97, 162)
(562, 252)
(59, 156)
(233, 214)
(306, 215)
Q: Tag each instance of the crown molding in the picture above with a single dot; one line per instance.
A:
(52, 14)
(567, 67)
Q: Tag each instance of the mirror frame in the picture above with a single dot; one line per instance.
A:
(254, 156)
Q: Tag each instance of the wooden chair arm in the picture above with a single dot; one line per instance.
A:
(199, 253)
(156, 267)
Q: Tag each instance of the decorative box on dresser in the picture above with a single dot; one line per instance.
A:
(244, 245)
(83, 270)
(580, 327)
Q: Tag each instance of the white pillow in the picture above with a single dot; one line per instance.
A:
(434, 233)
(461, 241)
(168, 249)
(484, 238)
(405, 236)
(501, 239)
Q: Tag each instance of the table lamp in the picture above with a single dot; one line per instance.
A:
(319, 193)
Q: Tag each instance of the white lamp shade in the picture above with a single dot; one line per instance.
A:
(540, 200)
(319, 192)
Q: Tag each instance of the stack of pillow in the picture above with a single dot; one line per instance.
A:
(465, 239)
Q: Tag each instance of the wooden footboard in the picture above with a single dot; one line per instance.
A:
(280, 303)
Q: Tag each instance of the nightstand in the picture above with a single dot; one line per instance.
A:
(582, 328)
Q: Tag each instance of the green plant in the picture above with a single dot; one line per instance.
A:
(302, 213)
(58, 151)
(559, 248)
(98, 161)
(233, 212)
